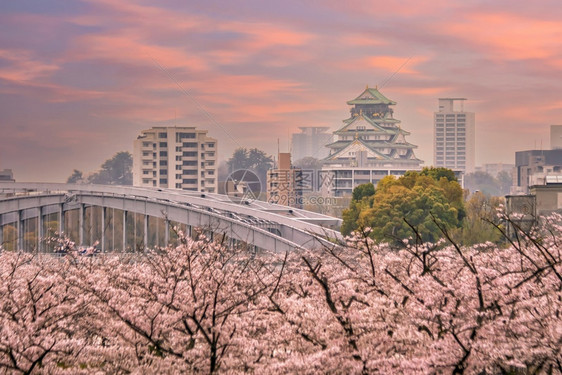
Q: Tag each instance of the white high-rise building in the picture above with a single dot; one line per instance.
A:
(175, 157)
(311, 142)
(454, 137)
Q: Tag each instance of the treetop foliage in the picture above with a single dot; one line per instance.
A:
(251, 159)
(115, 171)
(423, 200)
(438, 172)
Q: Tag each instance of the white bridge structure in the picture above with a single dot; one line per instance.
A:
(126, 217)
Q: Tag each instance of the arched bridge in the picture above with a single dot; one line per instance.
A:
(126, 217)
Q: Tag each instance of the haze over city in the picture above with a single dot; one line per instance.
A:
(79, 80)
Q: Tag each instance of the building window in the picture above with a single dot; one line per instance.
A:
(192, 163)
(163, 153)
(189, 153)
(163, 180)
(163, 163)
(178, 177)
(162, 135)
(178, 167)
(178, 186)
(146, 144)
(163, 144)
(163, 172)
(211, 145)
(180, 136)
(190, 144)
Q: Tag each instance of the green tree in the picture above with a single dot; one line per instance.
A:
(359, 201)
(75, 178)
(425, 201)
(363, 191)
(483, 182)
(115, 171)
(505, 180)
(438, 172)
(480, 211)
(253, 159)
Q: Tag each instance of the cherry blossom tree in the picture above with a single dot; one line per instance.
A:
(38, 313)
(362, 308)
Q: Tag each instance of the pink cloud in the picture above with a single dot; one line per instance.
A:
(393, 63)
(128, 49)
(507, 36)
(23, 66)
(362, 40)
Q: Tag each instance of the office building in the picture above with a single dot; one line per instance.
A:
(310, 142)
(175, 157)
(283, 183)
(371, 144)
(532, 167)
(454, 136)
(555, 137)
(6, 175)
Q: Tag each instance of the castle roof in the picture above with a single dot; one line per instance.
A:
(371, 96)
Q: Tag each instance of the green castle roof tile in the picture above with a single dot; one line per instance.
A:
(371, 96)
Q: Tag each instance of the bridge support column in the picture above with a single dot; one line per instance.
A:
(61, 219)
(20, 230)
(82, 213)
(145, 229)
(166, 232)
(40, 230)
(103, 229)
(1, 233)
(124, 230)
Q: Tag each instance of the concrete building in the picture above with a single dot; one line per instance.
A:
(6, 175)
(555, 137)
(532, 167)
(454, 136)
(542, 200)
(283, 183)
(310, 142)
(175, 157)
(370, 145)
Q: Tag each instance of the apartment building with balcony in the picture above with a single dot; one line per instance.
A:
(175, 157)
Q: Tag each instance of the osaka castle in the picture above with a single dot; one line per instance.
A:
(370, 145)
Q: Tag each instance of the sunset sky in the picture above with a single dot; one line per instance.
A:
(80, 79)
